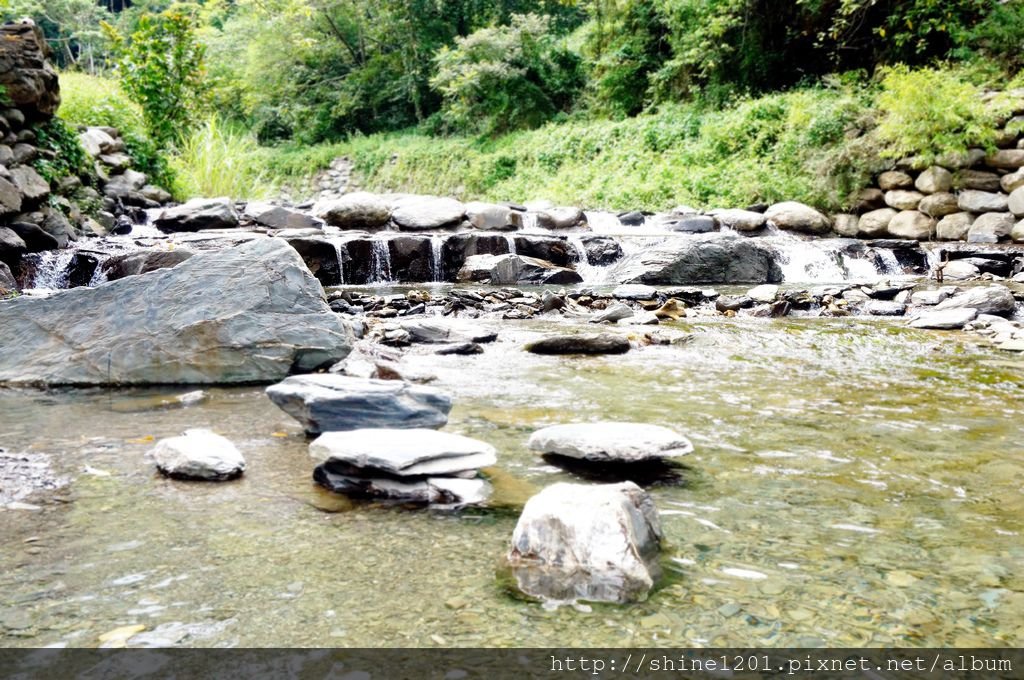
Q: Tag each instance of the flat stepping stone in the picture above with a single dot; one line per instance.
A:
(402, 452)
(328, 402)
(610, 442)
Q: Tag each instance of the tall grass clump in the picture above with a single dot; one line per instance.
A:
(218, 160)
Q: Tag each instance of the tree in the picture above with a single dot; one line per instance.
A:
(506, 77)
(161, 69)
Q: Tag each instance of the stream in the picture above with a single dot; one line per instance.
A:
(855, 483)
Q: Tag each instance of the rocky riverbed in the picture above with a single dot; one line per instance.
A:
(845, 469)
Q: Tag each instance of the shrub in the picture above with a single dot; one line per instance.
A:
(506, 77)
(69, 157)
(933, 112)
(161, 69)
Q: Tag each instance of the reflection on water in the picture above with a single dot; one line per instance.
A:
(855, 483)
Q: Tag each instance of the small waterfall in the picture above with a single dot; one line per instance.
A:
(98, 276)
(380, 261)
(52, 269)
(339, 251)
(890, 265)
(436, 259)
(607, 223)
(511, 241)
(589, 272)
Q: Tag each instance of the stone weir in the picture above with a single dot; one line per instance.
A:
(366, 239)
(424, 239)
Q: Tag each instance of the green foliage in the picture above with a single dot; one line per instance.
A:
(71, 27)
(216, 160)
(932, 112)
(97, 101)
(66, 157)
(161, 69)
(506, 77)
(783, 146)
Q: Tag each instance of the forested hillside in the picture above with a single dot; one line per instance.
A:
(615, 103)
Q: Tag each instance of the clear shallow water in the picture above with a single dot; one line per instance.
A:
(855, 483)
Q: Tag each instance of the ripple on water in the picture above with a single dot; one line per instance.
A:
(839, 494)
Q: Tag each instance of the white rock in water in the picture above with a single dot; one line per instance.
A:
(609, 441)
(764, 293)
(404, 452)
(198, 454)
(949, 319)
(588, 542)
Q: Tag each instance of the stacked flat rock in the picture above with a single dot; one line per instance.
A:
(418, 465)
(330, 403)
(610, 442)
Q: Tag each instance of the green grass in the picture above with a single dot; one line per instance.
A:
(782, 146)
(218, 160)
(98, 101)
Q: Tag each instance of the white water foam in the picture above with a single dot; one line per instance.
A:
(52, 269)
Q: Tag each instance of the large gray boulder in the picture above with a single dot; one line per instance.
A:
(358, 210)
(740, 220)
(587, 542)
(954, 227)
(505, 270)
(247, 314)
(990, 228)
(7, 282)
(793, 216)
(279, 217)
(198, 214)
(700, 259)
(329, 403)
(875, 223)
(489, 216)
(911, 224)
(934, 180)
(423, 213)
(198, 454)
(982, 201)
(994, 299)
(939, 205)
(610, 442)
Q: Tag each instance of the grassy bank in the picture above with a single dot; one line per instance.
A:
(789, 145)
(818, 145)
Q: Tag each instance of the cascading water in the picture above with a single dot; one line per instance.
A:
(511, 241)
(339, 251)
(890, 265)
(52, 269)
(380, 261)
(436, 259)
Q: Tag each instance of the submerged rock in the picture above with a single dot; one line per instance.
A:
(599, 343)
(582, 542)
(198, 454)
(414, 452)
(247, 314)
(610, 442)
(326, 403)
